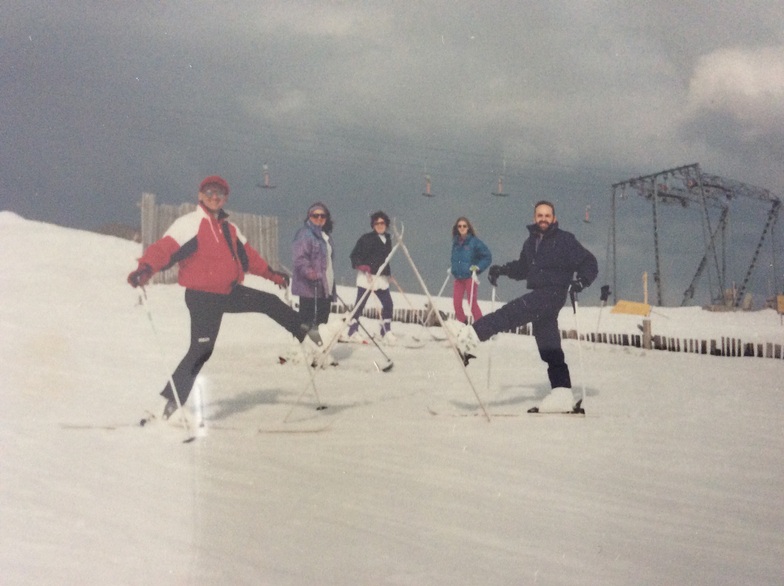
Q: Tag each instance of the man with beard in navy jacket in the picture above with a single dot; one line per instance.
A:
(552, 261)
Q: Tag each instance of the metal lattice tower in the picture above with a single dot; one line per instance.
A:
(686, 186)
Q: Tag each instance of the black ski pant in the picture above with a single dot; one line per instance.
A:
(206, 310)
(314, 310)
(540, 308)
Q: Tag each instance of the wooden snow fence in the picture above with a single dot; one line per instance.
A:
(725, 346)
(403, 315)
(261, 231)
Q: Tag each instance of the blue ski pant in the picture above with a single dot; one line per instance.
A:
(540, 308)
(385, 297)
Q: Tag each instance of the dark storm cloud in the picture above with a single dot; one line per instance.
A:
(354, 102)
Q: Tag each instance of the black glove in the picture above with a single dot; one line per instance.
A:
(494, 272)
(605, 294)
(140, 276)
(577, 285)
(281, 279)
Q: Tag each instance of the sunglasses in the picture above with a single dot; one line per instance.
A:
(379, 223)
(210, 192)
(318, 216)
(462, 225)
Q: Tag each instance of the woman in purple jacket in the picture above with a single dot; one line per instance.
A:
(312, 253)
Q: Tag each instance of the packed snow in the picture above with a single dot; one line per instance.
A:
(674, 476)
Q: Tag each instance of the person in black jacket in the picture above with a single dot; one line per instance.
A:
(552, 261)
(369, 253)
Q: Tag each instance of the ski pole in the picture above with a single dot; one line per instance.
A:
(440, 292)
(312, 381)
(311, 377)
(315, 306)
(490, 350)
(472, 293)
(393, 280)
(603, 296)
(201, 404)
(450, 335)
(448, 275)
(390, 364)
(287, 292)
(573, 296)
(349, 315)
(143, 298)
(420, 321)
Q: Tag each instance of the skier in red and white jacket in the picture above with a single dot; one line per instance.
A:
(213, 257)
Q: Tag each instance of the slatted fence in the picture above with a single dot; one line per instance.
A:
(724, 346)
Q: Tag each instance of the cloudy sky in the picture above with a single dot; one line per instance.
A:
(353, 103)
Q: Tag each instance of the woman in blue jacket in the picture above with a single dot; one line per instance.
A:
(470, 256)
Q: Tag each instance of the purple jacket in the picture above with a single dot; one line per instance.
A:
(309, 256)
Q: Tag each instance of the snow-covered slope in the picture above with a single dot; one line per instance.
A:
(674, 476)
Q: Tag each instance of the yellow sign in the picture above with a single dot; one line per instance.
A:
(780, 300)
(632, 308)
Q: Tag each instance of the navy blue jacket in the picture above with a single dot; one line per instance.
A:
(370, 250)
(552, 259)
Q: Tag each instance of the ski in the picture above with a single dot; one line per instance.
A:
(284, 360)
(201, 430)
(383, 367)
(186, 424)
(545, 413)
(504, 415)
(388, 366)
(99, 426)
(148, 417)
(285, 428)
(358, 342)
(407, 342)
(376, 365)
(118, 426)
(435, 413)
(414, 343)
(576, 410)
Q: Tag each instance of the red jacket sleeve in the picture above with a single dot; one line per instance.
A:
(256, 264)
(159, 253)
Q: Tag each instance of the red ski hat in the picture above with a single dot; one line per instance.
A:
(214, 180)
